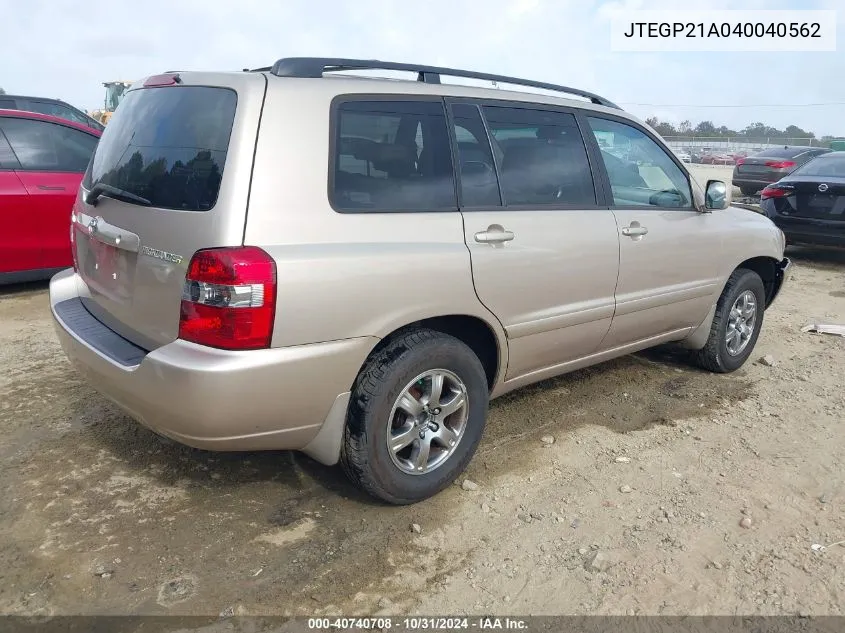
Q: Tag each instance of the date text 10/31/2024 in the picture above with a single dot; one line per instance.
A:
(417, 624)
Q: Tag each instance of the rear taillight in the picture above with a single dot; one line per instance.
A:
(229, 298)
(740, 161)
(780, 164)
(775, 192)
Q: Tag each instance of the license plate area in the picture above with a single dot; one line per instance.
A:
(106, 259)
(821, 201)
(106, 269)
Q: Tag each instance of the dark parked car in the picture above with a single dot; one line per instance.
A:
(53, 107)
(753, 173)
(42, 159)
(809, 204)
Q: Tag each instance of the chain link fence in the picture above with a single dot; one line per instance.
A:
(727, 144)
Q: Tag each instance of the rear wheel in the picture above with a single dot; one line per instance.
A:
(736, 325)
(749, 191)
(416, 417)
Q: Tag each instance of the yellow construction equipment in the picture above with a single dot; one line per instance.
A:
(114, 94)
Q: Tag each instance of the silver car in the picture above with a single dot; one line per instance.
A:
(294, 258)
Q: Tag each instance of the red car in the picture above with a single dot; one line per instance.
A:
(42, 160)
(717, 158)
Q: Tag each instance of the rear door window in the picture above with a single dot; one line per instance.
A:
(479, 183)
(167, 145)
(392, 156)
(542, 157)
(43, 146)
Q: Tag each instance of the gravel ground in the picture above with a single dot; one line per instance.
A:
(638, 486)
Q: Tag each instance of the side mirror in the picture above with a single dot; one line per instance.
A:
(715, 195)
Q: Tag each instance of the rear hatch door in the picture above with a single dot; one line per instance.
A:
(170, 176)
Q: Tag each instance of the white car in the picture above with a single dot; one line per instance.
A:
(684, 156)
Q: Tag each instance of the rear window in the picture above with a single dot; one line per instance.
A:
(167, 145)
(829, 166)
(782, 152)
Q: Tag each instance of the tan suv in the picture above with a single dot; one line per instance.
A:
(296, 258)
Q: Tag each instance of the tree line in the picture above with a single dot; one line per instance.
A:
(756, 130)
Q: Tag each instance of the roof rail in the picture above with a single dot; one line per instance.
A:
(314, 67)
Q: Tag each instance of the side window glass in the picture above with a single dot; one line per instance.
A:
(53, 109)
(7, 104)
(8, 160)
(479, 184)
(41, 107)
(392, 156)
(75, 148)
(42, 146)
(543, 160)
(71, 115)
(640, 171)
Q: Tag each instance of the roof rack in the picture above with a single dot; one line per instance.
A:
(314, 67)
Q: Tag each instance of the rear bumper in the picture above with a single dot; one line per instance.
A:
(809, 238)
(808, 231)
(215, 399)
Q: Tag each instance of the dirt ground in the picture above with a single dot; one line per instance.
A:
(634, 508)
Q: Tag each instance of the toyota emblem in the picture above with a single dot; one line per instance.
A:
(823, 187)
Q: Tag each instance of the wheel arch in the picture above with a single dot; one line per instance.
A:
(488, 342)
(770, 271)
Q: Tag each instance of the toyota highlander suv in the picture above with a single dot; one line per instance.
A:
(295, 258)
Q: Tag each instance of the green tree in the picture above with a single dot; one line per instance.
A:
(793, 131)
(664, 128)
(761, 130)
(2, 92)
(705, 128)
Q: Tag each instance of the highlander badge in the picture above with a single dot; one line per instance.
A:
(163, 255)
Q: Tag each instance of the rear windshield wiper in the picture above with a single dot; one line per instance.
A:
(101, 188)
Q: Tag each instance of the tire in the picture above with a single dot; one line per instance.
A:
(749, 191)
(366, 455)
(715, 355)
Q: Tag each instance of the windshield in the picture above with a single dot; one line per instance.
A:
(167, 145)
(828, 166)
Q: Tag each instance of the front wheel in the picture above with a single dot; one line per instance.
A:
(416, 417)
(736, 325)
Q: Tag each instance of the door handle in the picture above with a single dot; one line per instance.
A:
(50, 188)
(635, 230)
(495, 234)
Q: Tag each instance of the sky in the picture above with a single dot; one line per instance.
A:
(559, 41)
